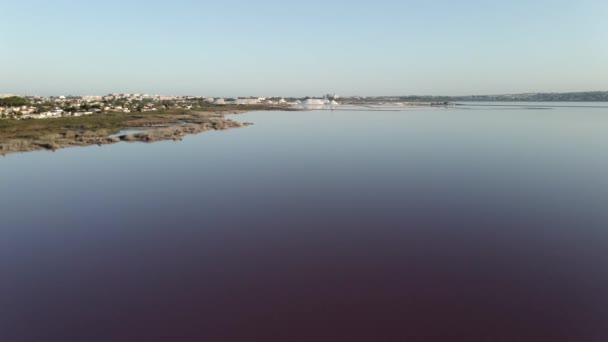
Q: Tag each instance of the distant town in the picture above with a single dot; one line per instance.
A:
(38, 107)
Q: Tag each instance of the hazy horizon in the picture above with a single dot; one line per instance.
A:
(318, 94)
(238, 48)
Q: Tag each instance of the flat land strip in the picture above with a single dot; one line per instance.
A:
(100, 129)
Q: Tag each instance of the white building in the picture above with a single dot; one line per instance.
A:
(92, 98)
(246, 101)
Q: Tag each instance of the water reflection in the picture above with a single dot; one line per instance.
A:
(420, 225)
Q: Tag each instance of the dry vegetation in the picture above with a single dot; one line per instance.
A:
(52, 134)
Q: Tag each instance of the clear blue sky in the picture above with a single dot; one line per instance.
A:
(233, 48)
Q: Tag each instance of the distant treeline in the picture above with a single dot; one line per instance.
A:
(593, 96)
(13, 101)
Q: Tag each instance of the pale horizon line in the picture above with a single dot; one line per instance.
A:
(317, 95)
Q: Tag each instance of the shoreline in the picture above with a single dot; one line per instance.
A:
(23, 136)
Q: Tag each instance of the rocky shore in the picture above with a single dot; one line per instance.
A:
(177, 132)
(51, 135)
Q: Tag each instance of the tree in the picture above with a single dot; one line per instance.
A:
(13, 101)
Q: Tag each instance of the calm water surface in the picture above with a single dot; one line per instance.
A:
(481, 224)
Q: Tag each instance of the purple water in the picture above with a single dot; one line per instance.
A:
(434, 225)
